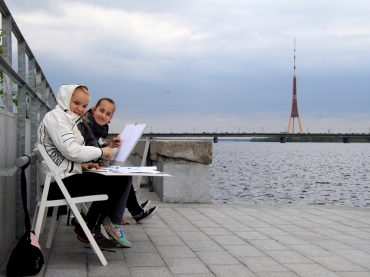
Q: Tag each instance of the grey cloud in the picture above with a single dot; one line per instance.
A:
(232, 57)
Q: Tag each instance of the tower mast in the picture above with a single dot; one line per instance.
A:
(294, 112)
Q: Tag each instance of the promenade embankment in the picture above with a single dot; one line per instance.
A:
(227, 240)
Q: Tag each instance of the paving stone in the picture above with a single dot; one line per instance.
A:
(289, 239)
(159, 231)
(141, 247)
(356, 256)
(231, 271)
(310, 250)
(109, 254)
(277, 274)
(207, 245)
(353, 274)
(67, 260)
(288, 257)
(270, 231)
(195, 275)
(185, 265)
(262, 264)
(228, 240)
(166, 240)
(205, 223)
(217, 258)
(183, 227)
(220, 231)
(143, 259)
(238, 227)
(136, 235)
(338, 264)
(175, 252)
(244, 250)
(311, 270)
(186, 236)
(268, 244)
(65, 272)
(113, 269)
(149, 271)
(251, 235)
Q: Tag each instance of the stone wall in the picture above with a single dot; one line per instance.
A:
(8, 147)
(10, 199)
(188, 163)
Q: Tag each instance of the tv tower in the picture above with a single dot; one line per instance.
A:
(294, 113)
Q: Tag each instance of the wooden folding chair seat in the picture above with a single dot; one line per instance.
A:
(71, 202)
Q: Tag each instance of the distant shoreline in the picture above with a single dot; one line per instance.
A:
(312, 139)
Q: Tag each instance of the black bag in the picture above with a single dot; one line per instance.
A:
(26, 258)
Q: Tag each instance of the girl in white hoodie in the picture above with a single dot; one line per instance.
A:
(64, 144)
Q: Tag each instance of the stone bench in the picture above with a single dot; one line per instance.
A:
(188, 163)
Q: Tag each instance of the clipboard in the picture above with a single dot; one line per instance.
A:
(130, 135)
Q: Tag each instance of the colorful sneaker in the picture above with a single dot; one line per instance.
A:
(145, 214)
(116, 232)
(145, 204)
(100, 239)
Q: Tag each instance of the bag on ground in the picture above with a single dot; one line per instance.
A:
(26, 258)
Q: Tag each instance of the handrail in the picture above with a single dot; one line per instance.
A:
(8, 70)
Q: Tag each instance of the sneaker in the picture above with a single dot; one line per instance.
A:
(100, 239)
(145, 204)
(116, 232)
(145, 214)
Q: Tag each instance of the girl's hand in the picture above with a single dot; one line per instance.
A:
(115, 142)
(107, 152)
(87, 166)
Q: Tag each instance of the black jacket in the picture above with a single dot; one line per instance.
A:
(91, 131)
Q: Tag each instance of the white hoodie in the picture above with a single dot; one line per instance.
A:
(61, 138)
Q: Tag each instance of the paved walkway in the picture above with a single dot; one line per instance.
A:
(228, 240)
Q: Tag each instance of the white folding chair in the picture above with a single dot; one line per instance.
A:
(44, 203)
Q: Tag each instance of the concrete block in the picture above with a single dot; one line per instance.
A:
(189, 182)
(188, 163)
(185, 150)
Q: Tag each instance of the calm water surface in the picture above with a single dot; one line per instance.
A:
(304, 173)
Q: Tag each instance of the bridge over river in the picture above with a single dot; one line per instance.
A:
(282, 137)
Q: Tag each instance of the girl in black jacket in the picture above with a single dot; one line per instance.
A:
(95, 126)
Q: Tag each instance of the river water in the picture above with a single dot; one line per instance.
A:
(299, 173)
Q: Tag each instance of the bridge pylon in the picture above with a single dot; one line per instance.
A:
(294, 112)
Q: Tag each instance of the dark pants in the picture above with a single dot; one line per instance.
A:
(132, 204)
(89, 183)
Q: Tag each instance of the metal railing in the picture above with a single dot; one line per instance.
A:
(26, 97)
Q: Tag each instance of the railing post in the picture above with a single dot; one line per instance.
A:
(44, 93)
(21, 128)
(7, 55)
(33, 115)
(40, 92)
(47, 95)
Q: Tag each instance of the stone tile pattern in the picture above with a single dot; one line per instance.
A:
(227, 240)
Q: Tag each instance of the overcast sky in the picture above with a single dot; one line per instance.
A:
(208, 65)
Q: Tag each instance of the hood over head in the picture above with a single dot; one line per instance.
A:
(65, 94)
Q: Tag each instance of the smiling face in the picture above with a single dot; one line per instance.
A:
(103, 112)
(79, 101)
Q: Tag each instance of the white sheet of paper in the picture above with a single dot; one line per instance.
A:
(130, 135)
(133, 169)
(130, 171)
